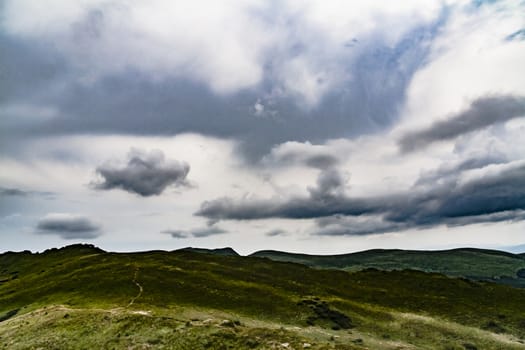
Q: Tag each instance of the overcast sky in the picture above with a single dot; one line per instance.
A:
(299, 125)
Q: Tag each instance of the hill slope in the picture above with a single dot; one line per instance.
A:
(477, 264)
(79, 298)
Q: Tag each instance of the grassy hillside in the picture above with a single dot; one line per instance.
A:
(478, 264)
(81, 297)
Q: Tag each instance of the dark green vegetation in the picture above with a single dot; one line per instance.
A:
(80, 297)
(475, 264)
(219, 251)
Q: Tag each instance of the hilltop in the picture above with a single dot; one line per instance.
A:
(227, 251)
(476, 264)
(82, 297)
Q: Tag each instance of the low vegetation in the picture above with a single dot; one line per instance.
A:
(80, 297)
(476, 264)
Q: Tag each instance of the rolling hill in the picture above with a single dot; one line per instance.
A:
(476, 264)
(81, 297)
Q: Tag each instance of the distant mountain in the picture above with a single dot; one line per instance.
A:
(80, 297)
(477, 264)
(218, 251)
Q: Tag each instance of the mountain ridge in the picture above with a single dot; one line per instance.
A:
(473, 263)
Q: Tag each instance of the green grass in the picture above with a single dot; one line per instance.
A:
(385, 309)
(63, 328)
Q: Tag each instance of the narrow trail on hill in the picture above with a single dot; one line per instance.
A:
(138, 285)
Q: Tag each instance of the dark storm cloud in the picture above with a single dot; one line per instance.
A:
(294, 208)
(480, 199)
(198, 232)
(68, 226)
(339, 225)
(488, 194)
(120, 103)
(482, 113)
(325, 199)
(145, 174)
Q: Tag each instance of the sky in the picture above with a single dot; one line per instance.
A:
(308, 126)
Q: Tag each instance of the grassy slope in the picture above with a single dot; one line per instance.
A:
(399, 309)
(466, 262)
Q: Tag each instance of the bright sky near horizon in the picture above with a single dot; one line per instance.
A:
(306, 126)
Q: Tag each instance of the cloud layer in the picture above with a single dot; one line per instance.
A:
(301, 45)
(489, 194)
(277, 67)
